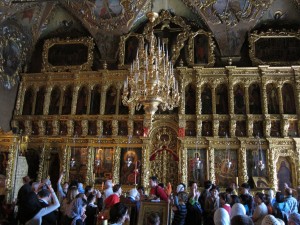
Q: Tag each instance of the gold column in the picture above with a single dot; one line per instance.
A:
(70, 127)
(115, 128)
(88, 108)
(267, 126)
(284, 126)
(211, 164)
(90, 166)
(198, 98)
(28, 127)
(264, 99)
(250, 126)
(199, 127)
(85, 127)
(42, 127)
(55, 125)
(10, 169)
(247, 99)
(280, 100)
(99, 127)
(118, 100)
(35, 91)
(232, 125)
(74, 100)
(298, 163)
(20, 99)
(47, 101)
(145, 162)
(297, 89)
(116, 165)
(214, 103)
(61, 99)
(42, 165)
(231, 100)
(130, 125)
(103, 99)
(216, 124)
(182, 103)
(272, 168)
(184, 165)
(243, 176)
(66, 161)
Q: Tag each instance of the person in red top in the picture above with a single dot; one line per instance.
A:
(113, 198)
(156, 191)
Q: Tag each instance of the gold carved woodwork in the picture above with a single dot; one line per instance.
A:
(86, 41)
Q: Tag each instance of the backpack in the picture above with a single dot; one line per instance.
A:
(281, 214)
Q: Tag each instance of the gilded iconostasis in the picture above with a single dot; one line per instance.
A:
(65, 69)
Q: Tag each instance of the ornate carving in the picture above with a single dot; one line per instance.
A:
(116, 165)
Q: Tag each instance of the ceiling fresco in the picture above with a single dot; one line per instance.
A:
(230, 21)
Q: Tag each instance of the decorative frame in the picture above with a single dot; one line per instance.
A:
(56, 42)
(123, 45)
(191, 154)
(275, 35)
(210, 49)
(162, 208)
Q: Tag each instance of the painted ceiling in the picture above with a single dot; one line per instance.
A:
(30, 22)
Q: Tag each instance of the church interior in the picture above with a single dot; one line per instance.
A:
(125, 89)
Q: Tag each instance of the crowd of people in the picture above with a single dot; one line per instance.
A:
(76, 204)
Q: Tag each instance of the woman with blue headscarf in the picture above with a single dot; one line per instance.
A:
(78, 211)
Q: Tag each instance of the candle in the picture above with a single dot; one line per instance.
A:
(237, 181)
(102, 186)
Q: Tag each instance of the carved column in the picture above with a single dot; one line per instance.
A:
(47, 101)
(145, 162)
(55, 125)
(297, 91)
(267, 126)
(130, 125)
(103, 99)
(198, 99)
(213, 97)
(264, 99)
(66, 161)
(285, 127)
(211, 164)
(61, 100)
(74, 100)
(182, 100)
(99, 127)
(247, 102)
(231, 99)
(199, 127)
(85, 127)
(298, 163)
(20, 100)
(88, 108)
(216, 124)
(42, 163)
(115, 128)
(116, 165)
(279, 92)
(70, 127)
(118, 100)
(184, 166)
(28, 127)
(243, 178)
(272, 168)
(250, 126)
(42, 127)
(35, 91)
(90, 176)
(232, 126)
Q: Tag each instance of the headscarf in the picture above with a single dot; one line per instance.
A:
(241, 220)
(295, 217)
(221, 217)
(80, 188)
(133, 193)
(237, 209)
(179, 188)
(76, 210)
(270, 220)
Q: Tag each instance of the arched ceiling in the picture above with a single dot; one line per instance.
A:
(230, 21)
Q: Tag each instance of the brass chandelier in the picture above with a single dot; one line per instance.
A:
(151, 81)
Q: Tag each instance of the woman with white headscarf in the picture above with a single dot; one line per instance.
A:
(221, 217)
(237, 209)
